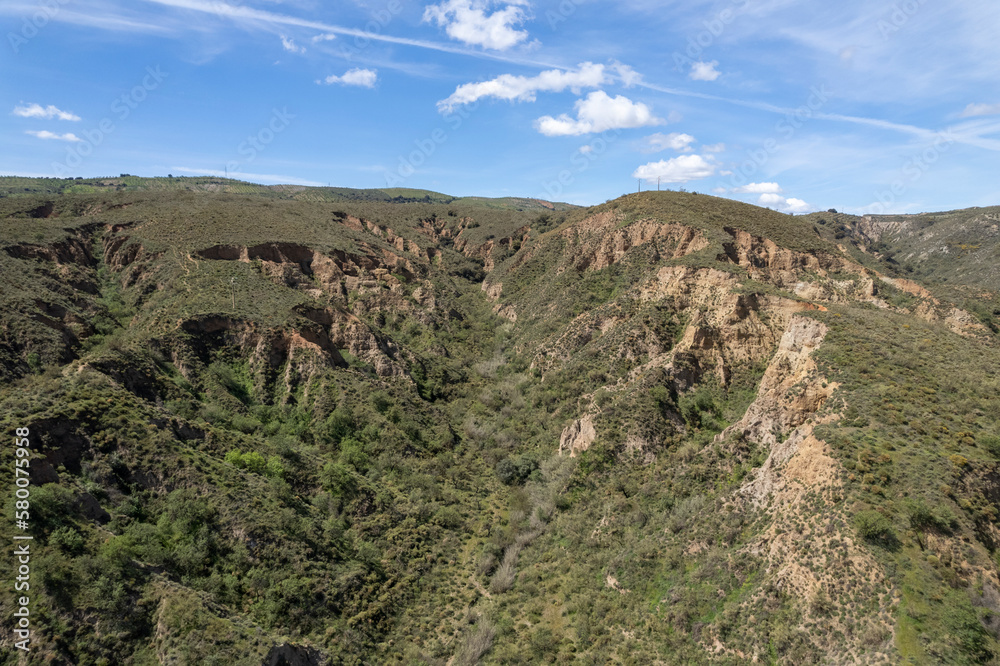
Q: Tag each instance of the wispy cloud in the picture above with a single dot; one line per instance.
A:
(364, 78)
(290, 45)
(259, 18)
(45, 112)
(102, 18)
(655, 143)
(705, 71)
(526, 88)
(971, 138)
(45, 134)
(974, 110)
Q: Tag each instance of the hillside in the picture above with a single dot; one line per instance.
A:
(374, 426)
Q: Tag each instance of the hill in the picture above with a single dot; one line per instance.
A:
(14, 186)
(342, 426)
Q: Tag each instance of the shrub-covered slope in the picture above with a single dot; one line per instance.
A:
(669, 429)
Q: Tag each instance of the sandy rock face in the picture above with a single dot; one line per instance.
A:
(798, 472)
(577, 436)
(791, 391)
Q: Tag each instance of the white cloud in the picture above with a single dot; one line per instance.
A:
(45, 134)
(654, 143)
(325, 37)
(596, 113)
(586, 149)
(980, 110)
(365, 78)
(793, 205)
(291, 46)
(714, 148)
(780, 203)
(704, 71)
(524, 89)
(719, 190)
(45, 112)
(759, 188)
(628, 76)
(468, 21)
(677, 170)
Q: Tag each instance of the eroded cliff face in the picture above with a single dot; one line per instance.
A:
(799, 489)
(50, 300)
(604, 239)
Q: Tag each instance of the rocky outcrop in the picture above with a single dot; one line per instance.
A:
(726, 327)
(873, 228)
(492, 249)
(577, 436)
(319, 337)
(337, 272)
(73, 250)
(604, 239)
(287, 654)
(791, 392)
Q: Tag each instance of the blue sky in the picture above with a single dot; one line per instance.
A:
(863, 106)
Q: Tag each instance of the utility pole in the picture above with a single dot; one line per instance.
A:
(639, 181)
(657, 183)
(232, 283)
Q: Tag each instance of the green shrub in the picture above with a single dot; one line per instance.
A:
(275, 468)
(924, 517)
(337, 478)
(338, 425)
(873, 526)
(516, 469)
(352, 452)
(449, 517)
(991, 443)
(245, 424)
(256, 463)
(67, 539)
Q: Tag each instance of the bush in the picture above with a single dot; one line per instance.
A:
(352, 452)
(245, 424)
(449, 517)
(67, 539)
(275, 468)
(992, 444)
(873, 526)
(337, 478)
(253, 462)
(924, 517)
(256, 463)
(339, 425)
(515, 470)
(477, 642)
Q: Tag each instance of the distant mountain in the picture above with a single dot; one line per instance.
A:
(333, 426)
(12, 186)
